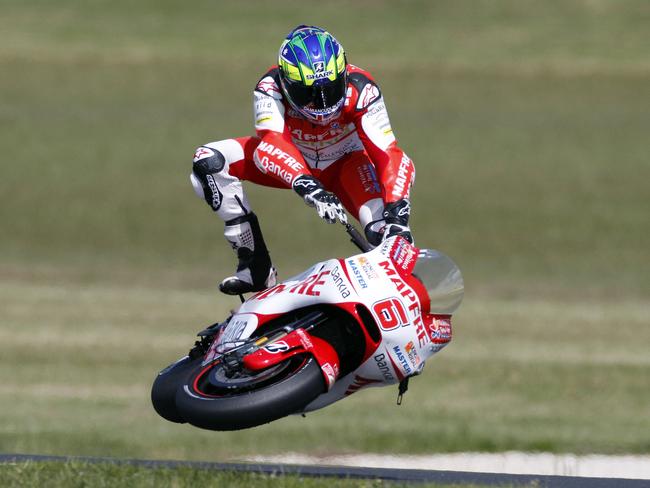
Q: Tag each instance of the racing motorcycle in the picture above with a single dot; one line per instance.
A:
(342, 325)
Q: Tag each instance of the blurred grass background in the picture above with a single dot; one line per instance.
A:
(528, 123)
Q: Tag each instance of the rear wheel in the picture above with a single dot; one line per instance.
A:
(215, 399)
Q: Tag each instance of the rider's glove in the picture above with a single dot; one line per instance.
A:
(326, 203)
(396, 215)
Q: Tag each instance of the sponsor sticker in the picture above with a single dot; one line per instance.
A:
(404, 255)
(331, 372)
(384, 368)
(401, 357)
(412, 354)
(356, 272)
(276, 347)
(400, 190)
(440, 329)
(407, 293)
(339, 282)
(368, 178)
(367, 268)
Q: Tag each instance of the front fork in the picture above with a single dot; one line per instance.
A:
(293, 339)
(295, 343)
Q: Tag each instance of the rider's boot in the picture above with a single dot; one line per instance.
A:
(254, 271)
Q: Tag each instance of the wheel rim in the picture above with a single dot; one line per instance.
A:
(212, 381)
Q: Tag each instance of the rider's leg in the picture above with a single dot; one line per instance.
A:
(217, 172)
(354, 180)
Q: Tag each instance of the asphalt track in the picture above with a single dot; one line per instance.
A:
(389, 475)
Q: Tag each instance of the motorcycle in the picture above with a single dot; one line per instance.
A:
(343, 325)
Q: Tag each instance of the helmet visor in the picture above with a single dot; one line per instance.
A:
(319, 97)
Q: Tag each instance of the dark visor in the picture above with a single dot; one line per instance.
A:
(317, 96)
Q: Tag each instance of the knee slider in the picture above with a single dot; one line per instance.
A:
(207, 161)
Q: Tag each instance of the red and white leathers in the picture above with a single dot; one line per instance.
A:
(355, 156)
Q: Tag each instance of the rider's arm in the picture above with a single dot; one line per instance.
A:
(276, 155)
(395, 169)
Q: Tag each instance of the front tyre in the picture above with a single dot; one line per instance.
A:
(163, 390)
(212, 400)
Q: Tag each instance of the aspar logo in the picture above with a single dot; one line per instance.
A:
(357, 273)
(382, 364)
(276, 347)
(414, 304)
(339, 283)
(402, 359)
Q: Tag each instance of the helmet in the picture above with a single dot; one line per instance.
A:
(313, 73)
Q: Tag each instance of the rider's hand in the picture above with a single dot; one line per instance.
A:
(326, 203)
(396, 215)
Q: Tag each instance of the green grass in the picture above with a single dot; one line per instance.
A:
(78, 362)
(83, 474)
(527, 122)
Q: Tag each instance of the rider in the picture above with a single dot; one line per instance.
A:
(322, 130)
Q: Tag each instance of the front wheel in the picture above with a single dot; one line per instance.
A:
(212, 399)
(163, 390)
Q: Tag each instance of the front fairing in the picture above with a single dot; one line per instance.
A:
(375, 280)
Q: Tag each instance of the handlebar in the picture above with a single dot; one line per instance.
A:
(356, 238)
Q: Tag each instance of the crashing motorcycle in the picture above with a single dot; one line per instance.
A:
(343, 325)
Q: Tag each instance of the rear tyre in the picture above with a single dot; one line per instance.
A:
(210, 400)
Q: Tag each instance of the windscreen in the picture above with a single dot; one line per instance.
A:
(442, 279)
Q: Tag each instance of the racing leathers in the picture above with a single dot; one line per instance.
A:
(353, 161)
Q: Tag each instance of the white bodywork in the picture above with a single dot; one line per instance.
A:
(371, 279)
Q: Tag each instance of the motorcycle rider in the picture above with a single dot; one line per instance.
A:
(322, 129)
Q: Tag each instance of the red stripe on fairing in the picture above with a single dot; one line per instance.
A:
(358, 383)
(347, 275)
(421, 292)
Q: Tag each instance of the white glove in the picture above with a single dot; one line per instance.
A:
(326, 203)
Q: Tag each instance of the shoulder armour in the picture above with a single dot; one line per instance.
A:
(269, 83)
(367, 90)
